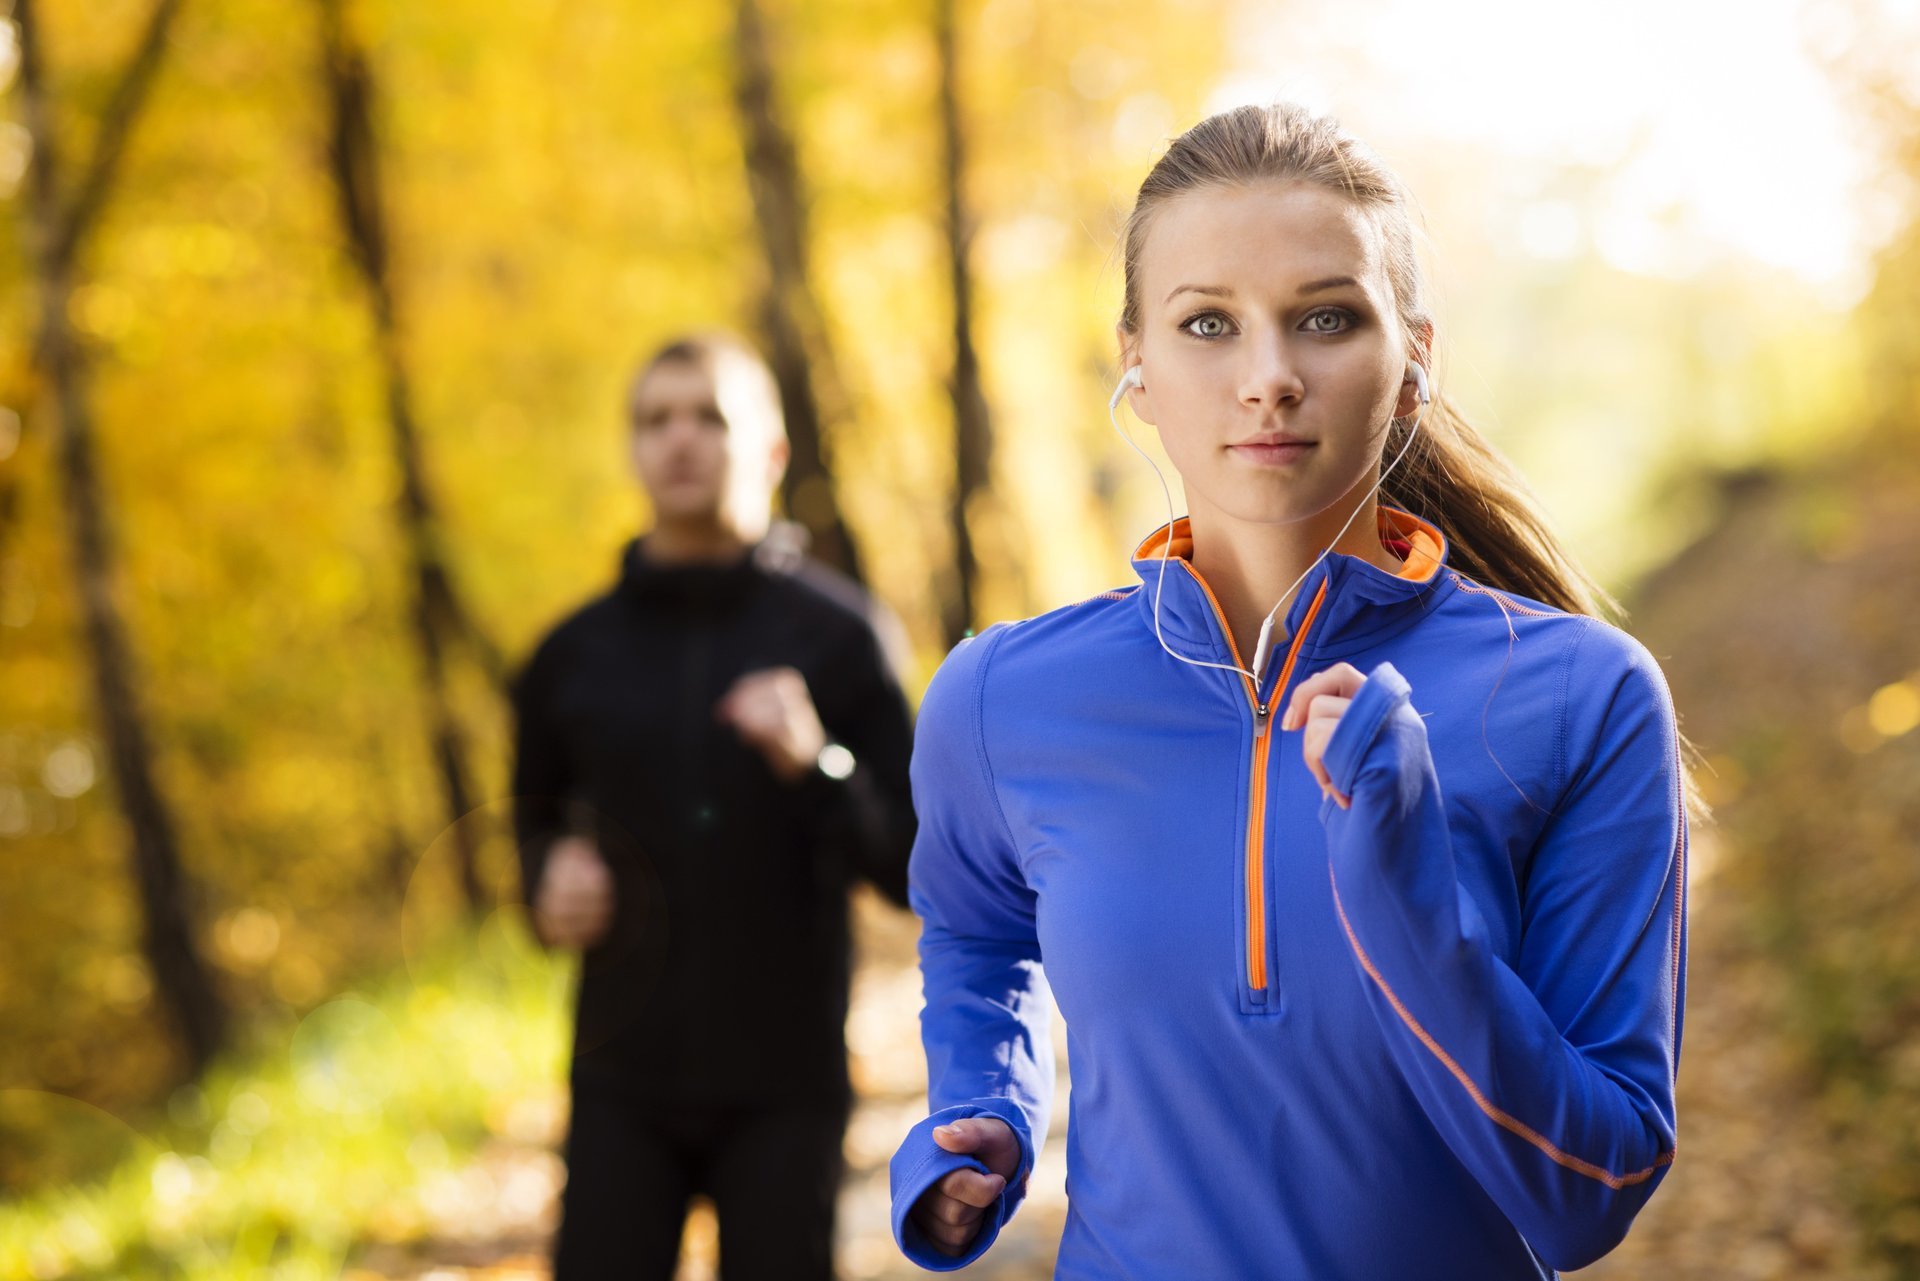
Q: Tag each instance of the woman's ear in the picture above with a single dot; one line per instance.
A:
(1420, 352)
(1138, 397)
(1407, 403)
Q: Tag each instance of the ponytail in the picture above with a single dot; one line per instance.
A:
(1453, 478)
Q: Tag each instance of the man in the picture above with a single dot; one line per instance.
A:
(705, 757)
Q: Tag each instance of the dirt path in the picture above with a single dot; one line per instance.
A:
(1752, 1194)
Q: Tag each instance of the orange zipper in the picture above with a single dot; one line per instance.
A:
(1256, 861)
(1257, 810)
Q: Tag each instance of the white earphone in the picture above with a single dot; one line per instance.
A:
(1416, 374)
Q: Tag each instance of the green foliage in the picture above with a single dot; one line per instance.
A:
(566, 188)
(350, 1126)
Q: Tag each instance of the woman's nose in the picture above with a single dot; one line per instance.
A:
(1271, 377)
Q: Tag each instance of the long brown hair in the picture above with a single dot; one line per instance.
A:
(1452, 476)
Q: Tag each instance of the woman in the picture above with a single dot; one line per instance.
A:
(1366, 910)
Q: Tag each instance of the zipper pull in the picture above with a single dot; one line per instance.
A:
(1260, 717)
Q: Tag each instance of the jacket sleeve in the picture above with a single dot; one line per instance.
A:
(1551, 1078)
(868, 813)
(988, 1011)
(542, 772)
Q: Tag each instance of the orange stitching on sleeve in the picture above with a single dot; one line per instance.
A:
(1502, 1119)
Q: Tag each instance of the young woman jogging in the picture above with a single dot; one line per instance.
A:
(1352, 843)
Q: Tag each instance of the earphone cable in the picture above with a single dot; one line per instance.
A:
(1166, 550)
(1266, 624)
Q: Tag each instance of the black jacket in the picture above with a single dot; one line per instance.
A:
(724, 975)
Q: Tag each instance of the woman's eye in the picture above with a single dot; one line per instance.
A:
(1210, 325)
(1339, 317)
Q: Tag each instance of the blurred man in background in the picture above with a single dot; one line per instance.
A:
(705, 757)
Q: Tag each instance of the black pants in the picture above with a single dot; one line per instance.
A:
(632, 1164)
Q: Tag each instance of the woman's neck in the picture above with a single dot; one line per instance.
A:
(1248, 566)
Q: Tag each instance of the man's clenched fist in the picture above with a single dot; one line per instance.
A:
(773, 713)
(574, 904)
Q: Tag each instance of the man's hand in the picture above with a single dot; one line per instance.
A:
(1316, 707)
(574, 904)
(949, 1212)
(773, 713)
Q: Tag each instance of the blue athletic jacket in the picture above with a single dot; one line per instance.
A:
(1433, 1035)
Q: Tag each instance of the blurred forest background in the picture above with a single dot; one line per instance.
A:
(314, 319)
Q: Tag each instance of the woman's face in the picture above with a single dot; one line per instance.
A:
(1270, 349)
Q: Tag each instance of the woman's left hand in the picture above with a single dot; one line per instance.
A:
(1316, 707)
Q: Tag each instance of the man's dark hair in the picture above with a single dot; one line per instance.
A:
(717, 352)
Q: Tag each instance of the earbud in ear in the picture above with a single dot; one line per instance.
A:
(1129, 379)
(1417, 374)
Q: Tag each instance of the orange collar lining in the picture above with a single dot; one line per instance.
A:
(1421, 564)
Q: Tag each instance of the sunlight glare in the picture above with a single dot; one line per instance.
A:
(1717, 132)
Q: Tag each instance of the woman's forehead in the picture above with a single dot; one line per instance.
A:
(1260, 237)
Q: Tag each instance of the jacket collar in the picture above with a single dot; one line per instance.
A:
(1363, 605)
(698, 585)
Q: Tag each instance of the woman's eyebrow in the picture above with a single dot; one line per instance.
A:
(1223, 291)
(1211, 291)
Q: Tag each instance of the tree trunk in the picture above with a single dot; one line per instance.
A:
(437, 615)
(70, 227)
(800, 352)
(185, 983)
(972, 424)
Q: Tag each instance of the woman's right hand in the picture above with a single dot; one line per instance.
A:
(574, 904)
(949, 1212)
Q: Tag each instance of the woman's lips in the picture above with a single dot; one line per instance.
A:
(1274, 454)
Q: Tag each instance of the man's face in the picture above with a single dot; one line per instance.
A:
(705, 444)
